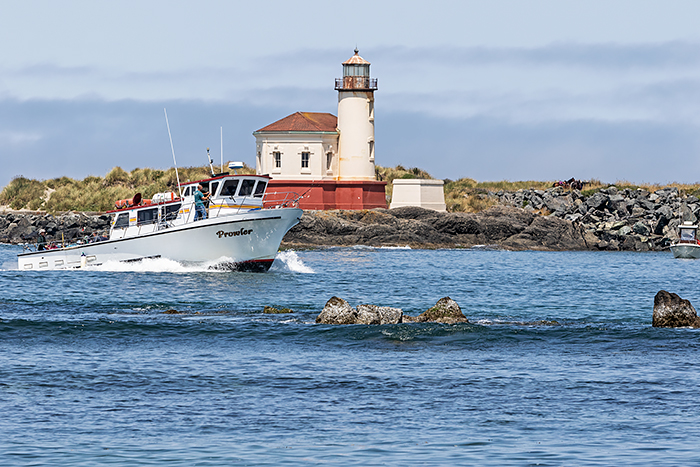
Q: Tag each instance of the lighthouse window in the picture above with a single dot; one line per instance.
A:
(278, 159)
(329, 160)
(356, 70)
(305, 160)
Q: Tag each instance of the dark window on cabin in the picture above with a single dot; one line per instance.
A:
(171, 211)
(186, 192)
(122, 221)
(146, 216)
(229, 188)
(246, 187)
(260, 189)
(213, 187)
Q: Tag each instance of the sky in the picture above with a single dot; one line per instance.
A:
(490, 90)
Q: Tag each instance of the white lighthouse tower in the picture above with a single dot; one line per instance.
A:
(356, 120)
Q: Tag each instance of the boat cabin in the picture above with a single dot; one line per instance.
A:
(230, 194)
(687, 232)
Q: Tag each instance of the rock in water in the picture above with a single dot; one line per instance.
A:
(671, 311)
(337, 311)
(366, 314)
(373, 314)
(271, 310)
(445, 311)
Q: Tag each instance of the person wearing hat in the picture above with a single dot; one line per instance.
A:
(41, 240)
(200, 211)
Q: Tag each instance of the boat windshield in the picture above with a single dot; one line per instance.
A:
(687, 235)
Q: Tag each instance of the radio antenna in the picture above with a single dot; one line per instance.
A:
(222, 149)
(179, 188)
(211, 162)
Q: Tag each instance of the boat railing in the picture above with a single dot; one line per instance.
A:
(281, 199)
(52, 245)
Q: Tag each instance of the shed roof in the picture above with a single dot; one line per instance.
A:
(303, 122)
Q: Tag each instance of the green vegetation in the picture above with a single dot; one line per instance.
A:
(96, 194)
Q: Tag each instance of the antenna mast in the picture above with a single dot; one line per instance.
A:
(222, 149)
(177, 175)
(211, 167)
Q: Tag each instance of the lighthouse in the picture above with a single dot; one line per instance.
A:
(327, 160)
(356, 120)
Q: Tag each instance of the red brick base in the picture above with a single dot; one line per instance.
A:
(331, 194)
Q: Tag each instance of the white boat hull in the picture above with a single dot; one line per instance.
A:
(686, 250)
(249, 240)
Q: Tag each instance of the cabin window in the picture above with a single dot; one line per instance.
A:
(147, 216)
(278, 159)
(122, 221)
(171, 211)
(260, 189)
(305, 160)
(229, 188)
(213, 187)
(687, 235)
(186, 192)
(246, 187)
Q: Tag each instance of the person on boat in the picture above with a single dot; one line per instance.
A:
(41, 240)
(95, 238)
(199, 199)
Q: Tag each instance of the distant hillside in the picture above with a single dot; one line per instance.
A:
(98, 194)
(95, 194)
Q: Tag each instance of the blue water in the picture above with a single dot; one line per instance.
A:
(559, 364)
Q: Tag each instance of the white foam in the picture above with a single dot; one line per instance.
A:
(149, 265)
(290, 261)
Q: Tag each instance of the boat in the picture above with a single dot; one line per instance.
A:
(242, 231)
(687, 245)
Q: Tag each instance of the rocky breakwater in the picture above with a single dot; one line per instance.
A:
(500, 226)
(339, 311)
(612, 219)
(22, 227)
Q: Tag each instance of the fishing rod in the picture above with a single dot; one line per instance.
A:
(177, 175)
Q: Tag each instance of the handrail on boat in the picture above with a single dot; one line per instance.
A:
(281, 199)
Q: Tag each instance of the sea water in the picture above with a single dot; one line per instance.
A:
(558, 365)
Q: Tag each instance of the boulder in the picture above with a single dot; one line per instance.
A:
(270, 310)
(687, 214)
(597, 201)
(337, 311)
(641, 228)
(671, 311)
(373, 314)
(445, 311)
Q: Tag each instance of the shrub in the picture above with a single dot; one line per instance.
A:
(115, 176)
(21, 192)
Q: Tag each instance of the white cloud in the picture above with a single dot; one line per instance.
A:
(555, 82)
(18, 138)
